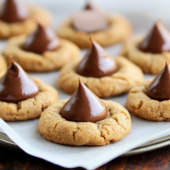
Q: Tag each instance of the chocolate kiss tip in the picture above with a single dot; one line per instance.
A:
(40, 25)
(158, 22)
(79, 80)
(84, 106)
(159, 87)
(88, 4)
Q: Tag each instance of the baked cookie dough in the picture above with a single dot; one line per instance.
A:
(141, 105)
(27, 26)
(30, 108)
(118, 30)
(148, 62)
(3, 66)
(55, 128)
(48, 61)
(120, 82)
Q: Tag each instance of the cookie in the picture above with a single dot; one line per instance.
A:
(120, 82)
(26, 26)
(47, 61)
(148, 62)
(141, 105)
(30, 108)
(119, 29)
(113, 128)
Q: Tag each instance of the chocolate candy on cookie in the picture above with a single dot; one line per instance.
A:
(102, 74)
(150, 52)
(18, 18)
(107, 29)
(23, 97)
(41, 51)
(150, 100)
(84, 119)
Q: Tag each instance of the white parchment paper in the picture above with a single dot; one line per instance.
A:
(25, 134)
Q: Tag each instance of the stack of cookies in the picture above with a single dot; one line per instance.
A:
(84, 118)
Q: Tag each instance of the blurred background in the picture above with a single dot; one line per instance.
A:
(142, 14)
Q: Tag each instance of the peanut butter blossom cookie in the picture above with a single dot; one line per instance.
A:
(22, 97)
(103, 75)
(107, 29)
(84, 119)
(18, 18)
(150, 100)
(150, 52)
(41, 51)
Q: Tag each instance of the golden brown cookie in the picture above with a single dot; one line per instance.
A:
(3, 66)
(148, 62)
(141, 105)
(113, 128)
(119, 29)
(48, 61)
(27, 26)
(30, 108)
(120, 82)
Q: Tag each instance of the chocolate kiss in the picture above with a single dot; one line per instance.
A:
(43, 39)
(157, 41)
(13, 11)
(96, 63)
(16, 85)
(89, 21)
(84, 106)
(159, 87)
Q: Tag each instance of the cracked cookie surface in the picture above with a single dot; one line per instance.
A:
(141, 105)
(119, 29)
(148, 62)
(27, 26)
(48, 61)
(120, 82)
(113, 128)
(30, 108)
